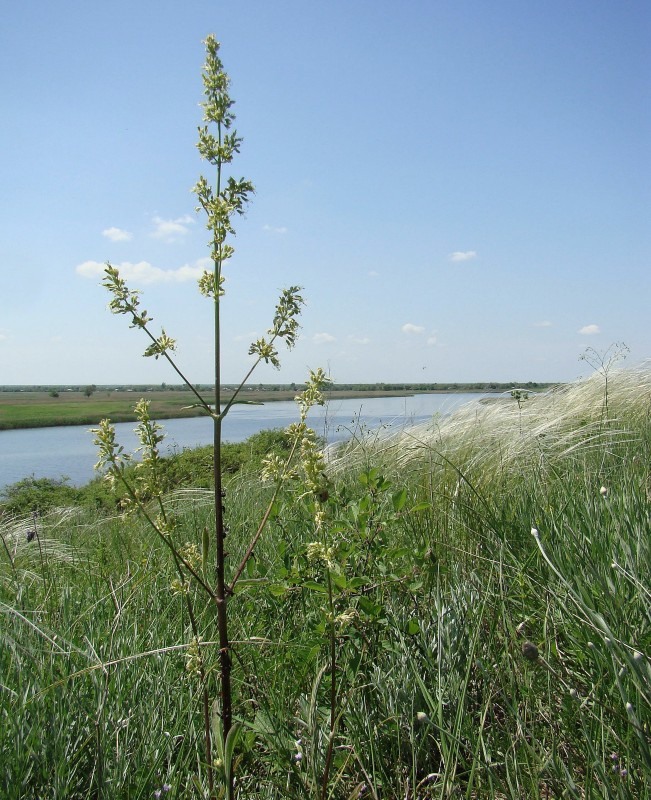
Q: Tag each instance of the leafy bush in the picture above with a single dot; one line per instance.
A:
(37, 495)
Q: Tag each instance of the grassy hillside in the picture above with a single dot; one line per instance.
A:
(480, 583)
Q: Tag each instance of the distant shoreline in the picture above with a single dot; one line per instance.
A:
(40, 407)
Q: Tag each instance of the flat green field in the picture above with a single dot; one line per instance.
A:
(38, 409)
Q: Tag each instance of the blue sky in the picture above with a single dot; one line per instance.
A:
(462, 188)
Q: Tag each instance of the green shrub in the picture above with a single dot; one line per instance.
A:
(37, 495)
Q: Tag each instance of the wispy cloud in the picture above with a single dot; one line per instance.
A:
(359, 339)
(373, 274)
(171, 229)
(272, 229)
(589, 330)
(432, 340)
(4, 337)
(143, 272)
(117, 235)
(463, 255)
(323, 338)
(545, 323)
(411, 329)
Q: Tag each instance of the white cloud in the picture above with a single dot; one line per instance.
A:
(432, 340)
(143, 272)
(544, 324)
(4, 337)
(373, 274)
(170, 229)
(117, 235)
(412, 329)
(461, 255)
(359, 339)
(323, 338)
(272, 229)
(589, 330)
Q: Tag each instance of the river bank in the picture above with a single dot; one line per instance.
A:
(42, 409)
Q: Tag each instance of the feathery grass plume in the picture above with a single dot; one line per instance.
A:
(494, 436)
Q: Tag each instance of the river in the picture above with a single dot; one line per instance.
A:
(68, 451)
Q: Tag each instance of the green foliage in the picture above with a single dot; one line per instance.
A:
(193, 467)
(37, 495)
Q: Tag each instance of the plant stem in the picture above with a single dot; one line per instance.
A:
(220, 533)
(333, 692)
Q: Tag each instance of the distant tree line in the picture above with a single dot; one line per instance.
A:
(478, 386)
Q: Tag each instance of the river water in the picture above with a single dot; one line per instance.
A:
(68, 451)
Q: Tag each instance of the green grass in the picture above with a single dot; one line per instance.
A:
(438, 587)
(39, 409)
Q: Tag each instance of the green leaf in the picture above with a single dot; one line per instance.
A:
(369, 607)
(313, 586)
(413, 627)
(229, 747)
(339, 581)
(277, 589)
(399, 500)
(247, 583)
(355, 583)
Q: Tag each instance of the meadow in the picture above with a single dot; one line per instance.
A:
(34, 409)
(37, 408)
(472, 620)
